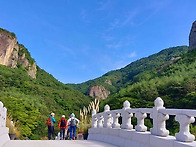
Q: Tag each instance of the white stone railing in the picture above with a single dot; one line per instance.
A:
(109, 120)
(3, 129)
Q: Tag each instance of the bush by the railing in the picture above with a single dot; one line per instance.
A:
(12, 125)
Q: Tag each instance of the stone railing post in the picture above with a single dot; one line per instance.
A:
(94, 119)
(115, 124)
(159, 119)
(107, 117)
(3, 114)
(184, 133)
(3, 129)
(140, 127)
(126, 116)
(1, 118)
(100, 121)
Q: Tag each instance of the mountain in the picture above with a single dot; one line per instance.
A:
(169, 74)
(29, 93)
(144, 69)
(134, 72)
(175, 83)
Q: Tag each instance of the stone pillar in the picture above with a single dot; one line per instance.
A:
(3, 129)
(107, 117)
(159, 119)
(126, 116)
(184, 134)
(100, 121)
(94, 119)
(140, 127)
(115, 120)
(3, 114)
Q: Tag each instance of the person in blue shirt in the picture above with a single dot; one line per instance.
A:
(51, 126)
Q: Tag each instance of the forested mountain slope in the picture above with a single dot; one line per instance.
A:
(175, 84)
(134, 72)
(31, 99)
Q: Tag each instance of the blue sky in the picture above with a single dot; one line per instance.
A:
(79, 40)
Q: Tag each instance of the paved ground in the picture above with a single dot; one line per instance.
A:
(55, 143)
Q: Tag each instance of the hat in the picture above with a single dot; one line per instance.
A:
(72, 115)
(63, 115)
(52, 113)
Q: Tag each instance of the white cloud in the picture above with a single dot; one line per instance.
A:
(129, 19)
(132, 55)
(113, 25)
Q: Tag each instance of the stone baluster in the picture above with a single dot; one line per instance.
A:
(107, 117)
(126, 116)
(184, 133)
(159, 119)
(115, 120)
(140, 127)
(3, 129)
(100, 121)
(1, 114)
(4, 117)
(94, 119)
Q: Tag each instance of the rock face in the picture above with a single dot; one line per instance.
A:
(192, 37)
(173, 59)
(7, 45)
(32, 71)
(98, 92)
(108, 82)
(10, 53)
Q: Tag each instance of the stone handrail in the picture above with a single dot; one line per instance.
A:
(109, 119)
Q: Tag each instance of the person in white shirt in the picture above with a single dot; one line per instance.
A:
(73, 122)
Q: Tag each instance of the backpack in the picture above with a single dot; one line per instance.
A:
(73, 122)
(63, 123)
(48, 122)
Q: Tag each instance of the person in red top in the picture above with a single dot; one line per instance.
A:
(62, 125)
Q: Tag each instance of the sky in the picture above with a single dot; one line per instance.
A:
(80, 40)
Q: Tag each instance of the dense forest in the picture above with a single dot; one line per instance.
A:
(30, 101)
(174, 82)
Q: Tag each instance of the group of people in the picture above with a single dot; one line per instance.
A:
(69, 125)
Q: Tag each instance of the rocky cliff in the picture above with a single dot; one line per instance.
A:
(192, 36)
(98, 92)
(13, 54)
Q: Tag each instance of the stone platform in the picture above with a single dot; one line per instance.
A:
(55, 143)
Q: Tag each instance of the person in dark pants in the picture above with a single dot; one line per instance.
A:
(50, 122)
(68, 132)
(62, 126)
